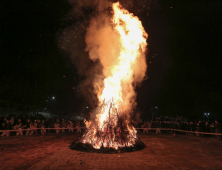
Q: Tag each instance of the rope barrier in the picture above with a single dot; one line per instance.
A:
(205, 133)
(161, 129)
(37, 129)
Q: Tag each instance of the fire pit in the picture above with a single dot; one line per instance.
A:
(115, 136)
(86, 147)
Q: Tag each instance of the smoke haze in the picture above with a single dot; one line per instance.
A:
(94, 47)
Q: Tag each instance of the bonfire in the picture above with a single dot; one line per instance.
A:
(111, 128)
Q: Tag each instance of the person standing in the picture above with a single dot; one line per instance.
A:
(51, 124)
(194, 125)
(187, 127)
(217, 128)
(198, 128)
(35, 126)
(28, 127)
(158, 126)
(78, 127)
(39, 126)
(12, 121)
(201, 125)
(57, 126)
(47, 124)
(19, 127)
(206, 127)
(63, 125)
(145, 126)
(6, 127)
(31, 128)
(70, 126)
(43, 127)
(212, 129)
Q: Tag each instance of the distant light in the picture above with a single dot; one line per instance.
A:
(87, 107)
(45, 108)
(53, 97)
(205, 114)
(208, 113)
(156, 107)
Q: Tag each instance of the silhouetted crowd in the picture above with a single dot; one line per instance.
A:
(193, 126)
(36, 125)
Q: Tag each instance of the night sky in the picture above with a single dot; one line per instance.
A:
(184, 57)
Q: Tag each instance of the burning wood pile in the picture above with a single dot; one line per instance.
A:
(115, 134)
(115, 131)
(125, 69)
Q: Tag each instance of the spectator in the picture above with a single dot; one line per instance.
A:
(19, 128)
(201, 125)
(206, 127)
(47, 124)
(43, 127)
(12, 121)
(70, 126)
(187, 127)
(212, 128)
(158, 126)
(28, 127)
(140, 124)
(57, 125)
(63, 125)
(145, 126)
(31, 128)
(191, 126)
(217, 128)
(51, 124)
(78, 127)
(6, 126)
(198, 128)
(39, 125)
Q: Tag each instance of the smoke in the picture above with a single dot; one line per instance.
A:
(94, 47)
(137, 6)
(78, 6)
(102, 44)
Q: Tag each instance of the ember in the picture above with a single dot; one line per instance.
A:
(111, 128)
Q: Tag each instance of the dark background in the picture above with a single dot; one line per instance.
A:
(184, 58)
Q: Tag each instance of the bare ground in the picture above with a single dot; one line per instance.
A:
(21, 152)
(162, 151)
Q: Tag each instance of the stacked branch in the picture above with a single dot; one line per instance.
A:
(115, 131)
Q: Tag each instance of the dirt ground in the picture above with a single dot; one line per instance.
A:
(162, 151)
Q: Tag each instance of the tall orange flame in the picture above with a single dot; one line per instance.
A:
(118, 92)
